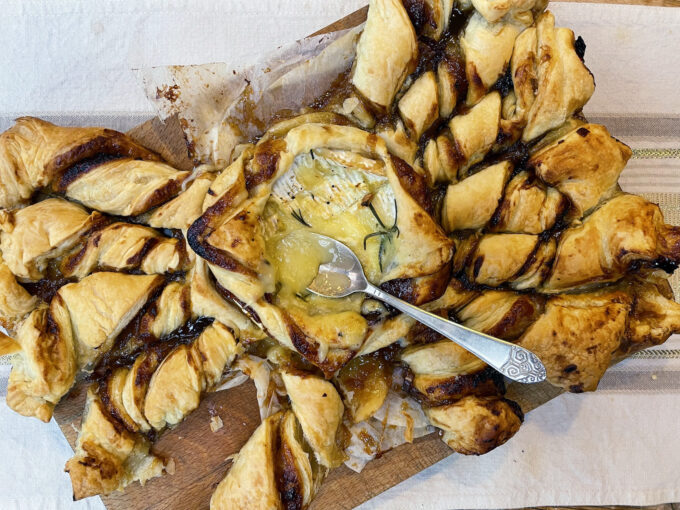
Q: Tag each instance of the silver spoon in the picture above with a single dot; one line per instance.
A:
(344, 276)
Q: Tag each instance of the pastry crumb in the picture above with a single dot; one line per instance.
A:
(170, 467)
(216, 423)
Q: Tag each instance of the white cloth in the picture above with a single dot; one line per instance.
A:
(620, 445)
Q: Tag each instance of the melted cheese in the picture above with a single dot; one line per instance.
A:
(320, 195)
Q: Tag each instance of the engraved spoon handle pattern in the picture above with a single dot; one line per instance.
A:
(513, 361)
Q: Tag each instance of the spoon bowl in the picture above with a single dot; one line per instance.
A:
(343, 276)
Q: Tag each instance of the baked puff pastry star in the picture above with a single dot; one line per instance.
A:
(452, 157)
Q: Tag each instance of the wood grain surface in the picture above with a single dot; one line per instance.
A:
(201, 456)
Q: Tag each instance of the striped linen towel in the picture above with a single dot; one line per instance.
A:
(618, 445)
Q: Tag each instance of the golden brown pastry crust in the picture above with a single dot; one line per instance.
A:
(576, 336)
(123, 187)
(15, 301)
(419, 106)
(32, 236)
(108, 457)
(251, 482)
(34, 152)
(163, 385)
(126, 247)
(494, 10)
(584, 164)
(47, 364)
(101, 305)
(441, 374)
(79, 326)
(386, 53)
(168, 312)
(180, 212)
(564, 83)
(487, 48)
(624, 234)
(280, 465)
(319, 408)
(471, 203)
(654, 315)
(528, 206)
(298, 478)
(476, 425)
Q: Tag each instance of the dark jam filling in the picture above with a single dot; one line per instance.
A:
(46, 288)
(81, 168)
(430, 54)
(124, 354)
(134, 341)
(54, 279)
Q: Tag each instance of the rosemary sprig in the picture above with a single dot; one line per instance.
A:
(386, 234)
(298, 216)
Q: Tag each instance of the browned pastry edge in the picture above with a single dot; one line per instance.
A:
(201, 229)
(420, 290)
(264, 163)
(110, 142)
(414, 183)
(448, 389)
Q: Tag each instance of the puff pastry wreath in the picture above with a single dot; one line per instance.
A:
(454, 159)
(472, 110)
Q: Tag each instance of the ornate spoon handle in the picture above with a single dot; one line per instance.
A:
(513, 361)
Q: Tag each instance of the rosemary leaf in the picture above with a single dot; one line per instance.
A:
(381, 253)
(374, 234)
(298, 216)
(386, 235)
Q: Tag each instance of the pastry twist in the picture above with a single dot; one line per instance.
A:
(565, 180)
(126, 247)
(79, 326)
(626, 234)
(101, 168)
(285, 460)
(162, 385)
(53, 242)
(594, 329)
(549, 82)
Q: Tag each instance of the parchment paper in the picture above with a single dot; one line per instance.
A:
(220, 106)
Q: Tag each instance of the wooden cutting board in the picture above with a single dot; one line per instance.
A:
(201, 455)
